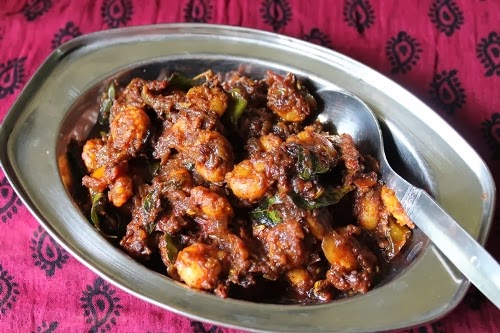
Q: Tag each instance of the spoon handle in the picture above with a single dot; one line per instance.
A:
(454, 242)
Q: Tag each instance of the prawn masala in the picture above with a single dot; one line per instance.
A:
(228, 184)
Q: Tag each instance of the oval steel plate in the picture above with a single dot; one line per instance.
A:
(33, 133)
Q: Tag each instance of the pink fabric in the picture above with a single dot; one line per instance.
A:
(445, 51)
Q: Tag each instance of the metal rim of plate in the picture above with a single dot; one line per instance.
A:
(29, 134)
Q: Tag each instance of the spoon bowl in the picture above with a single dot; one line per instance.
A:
(351, 115)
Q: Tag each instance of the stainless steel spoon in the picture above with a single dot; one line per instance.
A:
(351, 115)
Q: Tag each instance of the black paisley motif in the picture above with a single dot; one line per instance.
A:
(474, 299)
(276, 13)
(488, 52)
(446, 15)
(35, 8)
(9, 291)
(435, 327)
(65, 34)
(491, 133)
(46, 253)
(318, 37)
(496, 231)
(199, 327)
(11, 76)
(198, 11)
(117, 13)
(46, 328)
(100, 305)
(447, 92)
(359, 14)
(9, 201)
(175, 321)
(403, 52)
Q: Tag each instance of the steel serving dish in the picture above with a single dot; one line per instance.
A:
(59, 103)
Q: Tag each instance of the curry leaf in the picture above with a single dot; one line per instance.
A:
(106, 103)
(274, 216)
(308, 163)
(148, 201)
(171, 247)
(153, 167)
(320, 166)
(237, 106)
(330, 197)
(150, 227)
(264, 213)
(97, 199)
(97, 211)
(181, 81)
(305, 167)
